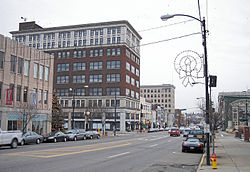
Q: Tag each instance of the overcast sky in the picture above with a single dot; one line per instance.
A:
(228, 40)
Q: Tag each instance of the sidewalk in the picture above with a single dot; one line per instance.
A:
(233, 154)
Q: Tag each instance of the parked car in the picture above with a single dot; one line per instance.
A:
(193, 144)
(77, 134)
(10, 138)
(93, 134)
(186, 132)
(198, 134)
(56, 137)
(31, 137)
(174, 132)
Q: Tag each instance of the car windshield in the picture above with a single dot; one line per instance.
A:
(196, 132)
(71, 132)
(192, 140)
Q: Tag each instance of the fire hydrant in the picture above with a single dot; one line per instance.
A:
(214, 161)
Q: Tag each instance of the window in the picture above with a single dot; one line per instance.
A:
(95, 78)
(95, 91)
(62, 79)
(113, 52)
(91, 53)
(127, 66)
(20, 65)
(132, 81)
(84, 53)
(118, 51)
(137, 84)
(118, 30)
(79, 66)
(137, 72)
(25, 94)
(113, 64)
(13, 63)
(101, 52)
(101, 41)
(80, 91)
(79, 79)
(1, 87)
(41, 72)
(132, 69)
(108, 52)
(118, 40)
(128, 79)
(128, 53)
(12, 86)
(26, 67)
(95, 66)
(108, 40)
(62, 67)
(40, 96)
(1, 59)
(45, 97)
(112, 91)
(107, 103)
(113, 77)
(113, 40)
(108, 30)
(96, 41)
(127, 92)
(59, 55)
(96, 53)
(62, 92)
(18, 93)
(132, 93)
(68, 55)
(91, 41)
(35, 70)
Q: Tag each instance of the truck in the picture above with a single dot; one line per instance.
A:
(10, 138)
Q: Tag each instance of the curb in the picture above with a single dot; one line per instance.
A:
(201, 161)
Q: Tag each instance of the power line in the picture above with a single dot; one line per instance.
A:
(153, 28)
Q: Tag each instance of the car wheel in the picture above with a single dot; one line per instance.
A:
(55, 140)
(91, 137)
(14, 143)
(38, 141)
(75, 138)
(65, 139)
(22, 142)
(84, 138)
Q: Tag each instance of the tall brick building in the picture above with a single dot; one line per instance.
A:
(96, 65)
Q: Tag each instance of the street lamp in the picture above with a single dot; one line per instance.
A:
(115, 114)
(73, 106)
(86, 120)
(203, 25)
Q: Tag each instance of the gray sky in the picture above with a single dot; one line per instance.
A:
(228, 39)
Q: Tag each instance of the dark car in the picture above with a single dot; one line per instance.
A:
(93, 134)
(192, 144)
(174, 132)
(186, 133)
(31, 137)
(77, 134)
(198, 134)
(56, 137)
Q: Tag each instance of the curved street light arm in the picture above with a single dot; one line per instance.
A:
(168, 16)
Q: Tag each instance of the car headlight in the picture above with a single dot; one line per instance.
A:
(50, 137)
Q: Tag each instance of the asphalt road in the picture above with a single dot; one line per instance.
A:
(142, 152)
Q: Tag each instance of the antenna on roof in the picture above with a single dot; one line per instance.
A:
(24, 19)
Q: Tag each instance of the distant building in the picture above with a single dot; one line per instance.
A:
(160, 95)
(234, 108)
(26, 82)
(97, 69)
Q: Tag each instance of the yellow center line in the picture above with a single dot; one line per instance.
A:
(70, 153)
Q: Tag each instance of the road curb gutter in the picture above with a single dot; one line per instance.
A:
(201, 162)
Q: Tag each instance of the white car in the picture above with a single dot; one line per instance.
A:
(10, 138)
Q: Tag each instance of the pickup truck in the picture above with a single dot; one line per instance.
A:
(10, 138)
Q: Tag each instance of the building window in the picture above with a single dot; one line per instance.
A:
(13, 63)
(108, 52)
(101, 41)
(20, 65)
(25, 94)
(137, 72)
(18, 93)
(128, 66)
(118, 40)
(118, 51)
(62, 79)
(62, 92)
(1, 87)
(79, 66)
(113, 77)
(41, 72)
(62, 67)
(113, 64)
(40, 96)
(113, 40)
(137, 84)
(35, 70)
(132, 93)
(95, 78)
(127, 92)
(128, 79)
(128, 53)
(132, 69)
(96, 53)
(113, 52)
(113, 91)
(91, 53)
(45, 97)
(1, 59)
(108, 40)
(132, 81)
(95, 91)
(101, 52)
(26, 67)
(95, 66)
(79, 79)
(80, 91)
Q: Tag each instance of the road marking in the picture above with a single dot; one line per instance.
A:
(153, 145)
(158, 138)
(69, 153)
(118, 155)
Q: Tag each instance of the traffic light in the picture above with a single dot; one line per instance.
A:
(213, 80)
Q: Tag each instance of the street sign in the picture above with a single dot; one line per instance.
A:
(206, 128)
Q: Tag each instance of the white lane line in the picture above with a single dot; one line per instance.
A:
(124, 153)
(158, 138)
(153, 145)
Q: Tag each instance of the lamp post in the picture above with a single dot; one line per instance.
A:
(115, 114)
(203, 25)
(73, 108)
(87, 113)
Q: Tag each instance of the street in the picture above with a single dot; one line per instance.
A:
(140, 152)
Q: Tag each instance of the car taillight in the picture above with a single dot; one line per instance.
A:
(183, 143)
(201, 145)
